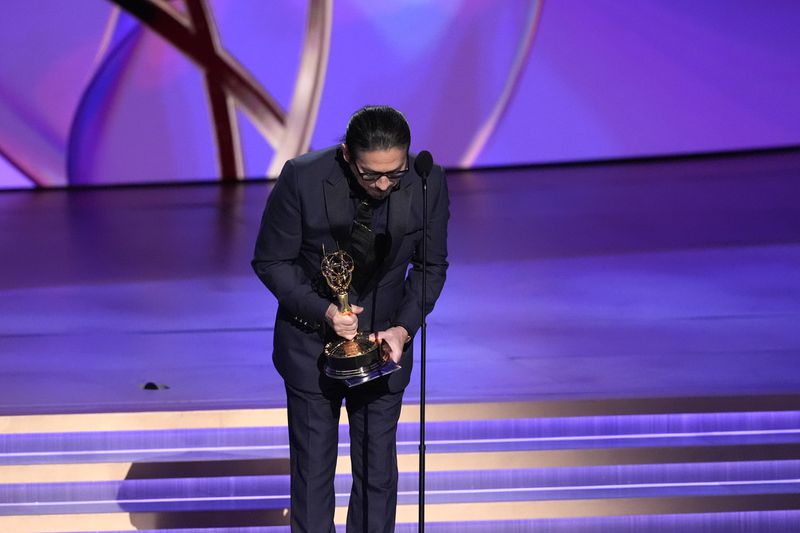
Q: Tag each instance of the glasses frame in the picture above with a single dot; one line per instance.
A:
(395, 175)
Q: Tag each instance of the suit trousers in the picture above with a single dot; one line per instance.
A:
(373, 413)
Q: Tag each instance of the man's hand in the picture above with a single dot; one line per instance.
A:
(344, 324)
(393, 340)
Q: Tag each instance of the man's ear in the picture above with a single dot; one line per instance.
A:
(345, 152)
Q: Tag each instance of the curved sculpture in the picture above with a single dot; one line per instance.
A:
(228, 82)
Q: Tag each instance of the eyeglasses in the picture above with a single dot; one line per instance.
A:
(372, 176)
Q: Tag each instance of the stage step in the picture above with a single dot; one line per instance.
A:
(519, 485)
(520, 473)
(752, 522)
(454, 436)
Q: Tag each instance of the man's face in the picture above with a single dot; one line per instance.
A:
(377, 162)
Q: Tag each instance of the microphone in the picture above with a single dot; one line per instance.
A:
(423, 164)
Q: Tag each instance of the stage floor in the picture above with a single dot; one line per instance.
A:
(648, 279)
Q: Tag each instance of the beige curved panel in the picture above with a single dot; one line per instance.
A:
(308, 86)
(488, 127)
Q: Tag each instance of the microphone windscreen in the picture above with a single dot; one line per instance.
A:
(423, 163)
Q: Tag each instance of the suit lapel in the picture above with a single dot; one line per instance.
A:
(399, 208)
(338, 207)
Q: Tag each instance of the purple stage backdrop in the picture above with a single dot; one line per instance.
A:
(120, 91)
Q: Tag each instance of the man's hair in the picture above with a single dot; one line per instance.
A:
(376, 127)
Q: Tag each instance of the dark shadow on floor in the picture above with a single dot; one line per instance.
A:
(155, 518)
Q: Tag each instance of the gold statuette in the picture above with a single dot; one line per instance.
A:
(355, 360)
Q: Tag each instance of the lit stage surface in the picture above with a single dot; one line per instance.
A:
(622, 338)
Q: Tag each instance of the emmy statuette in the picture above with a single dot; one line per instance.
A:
(361, 359)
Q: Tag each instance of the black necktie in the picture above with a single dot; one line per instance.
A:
(362, 245)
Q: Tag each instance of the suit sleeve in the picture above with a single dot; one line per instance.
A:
(409, 314)
(278, 248)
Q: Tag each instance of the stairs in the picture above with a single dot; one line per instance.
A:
(710, 464)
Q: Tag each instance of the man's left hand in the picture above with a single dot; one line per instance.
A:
(392, 341)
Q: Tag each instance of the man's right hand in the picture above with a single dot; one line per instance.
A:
(344, 324)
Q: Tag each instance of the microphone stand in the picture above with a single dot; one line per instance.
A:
(423, 166)
(423, 344)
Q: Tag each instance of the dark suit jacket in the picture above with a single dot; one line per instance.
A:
(310, 206)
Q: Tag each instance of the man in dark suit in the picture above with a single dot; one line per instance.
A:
(362, 196)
